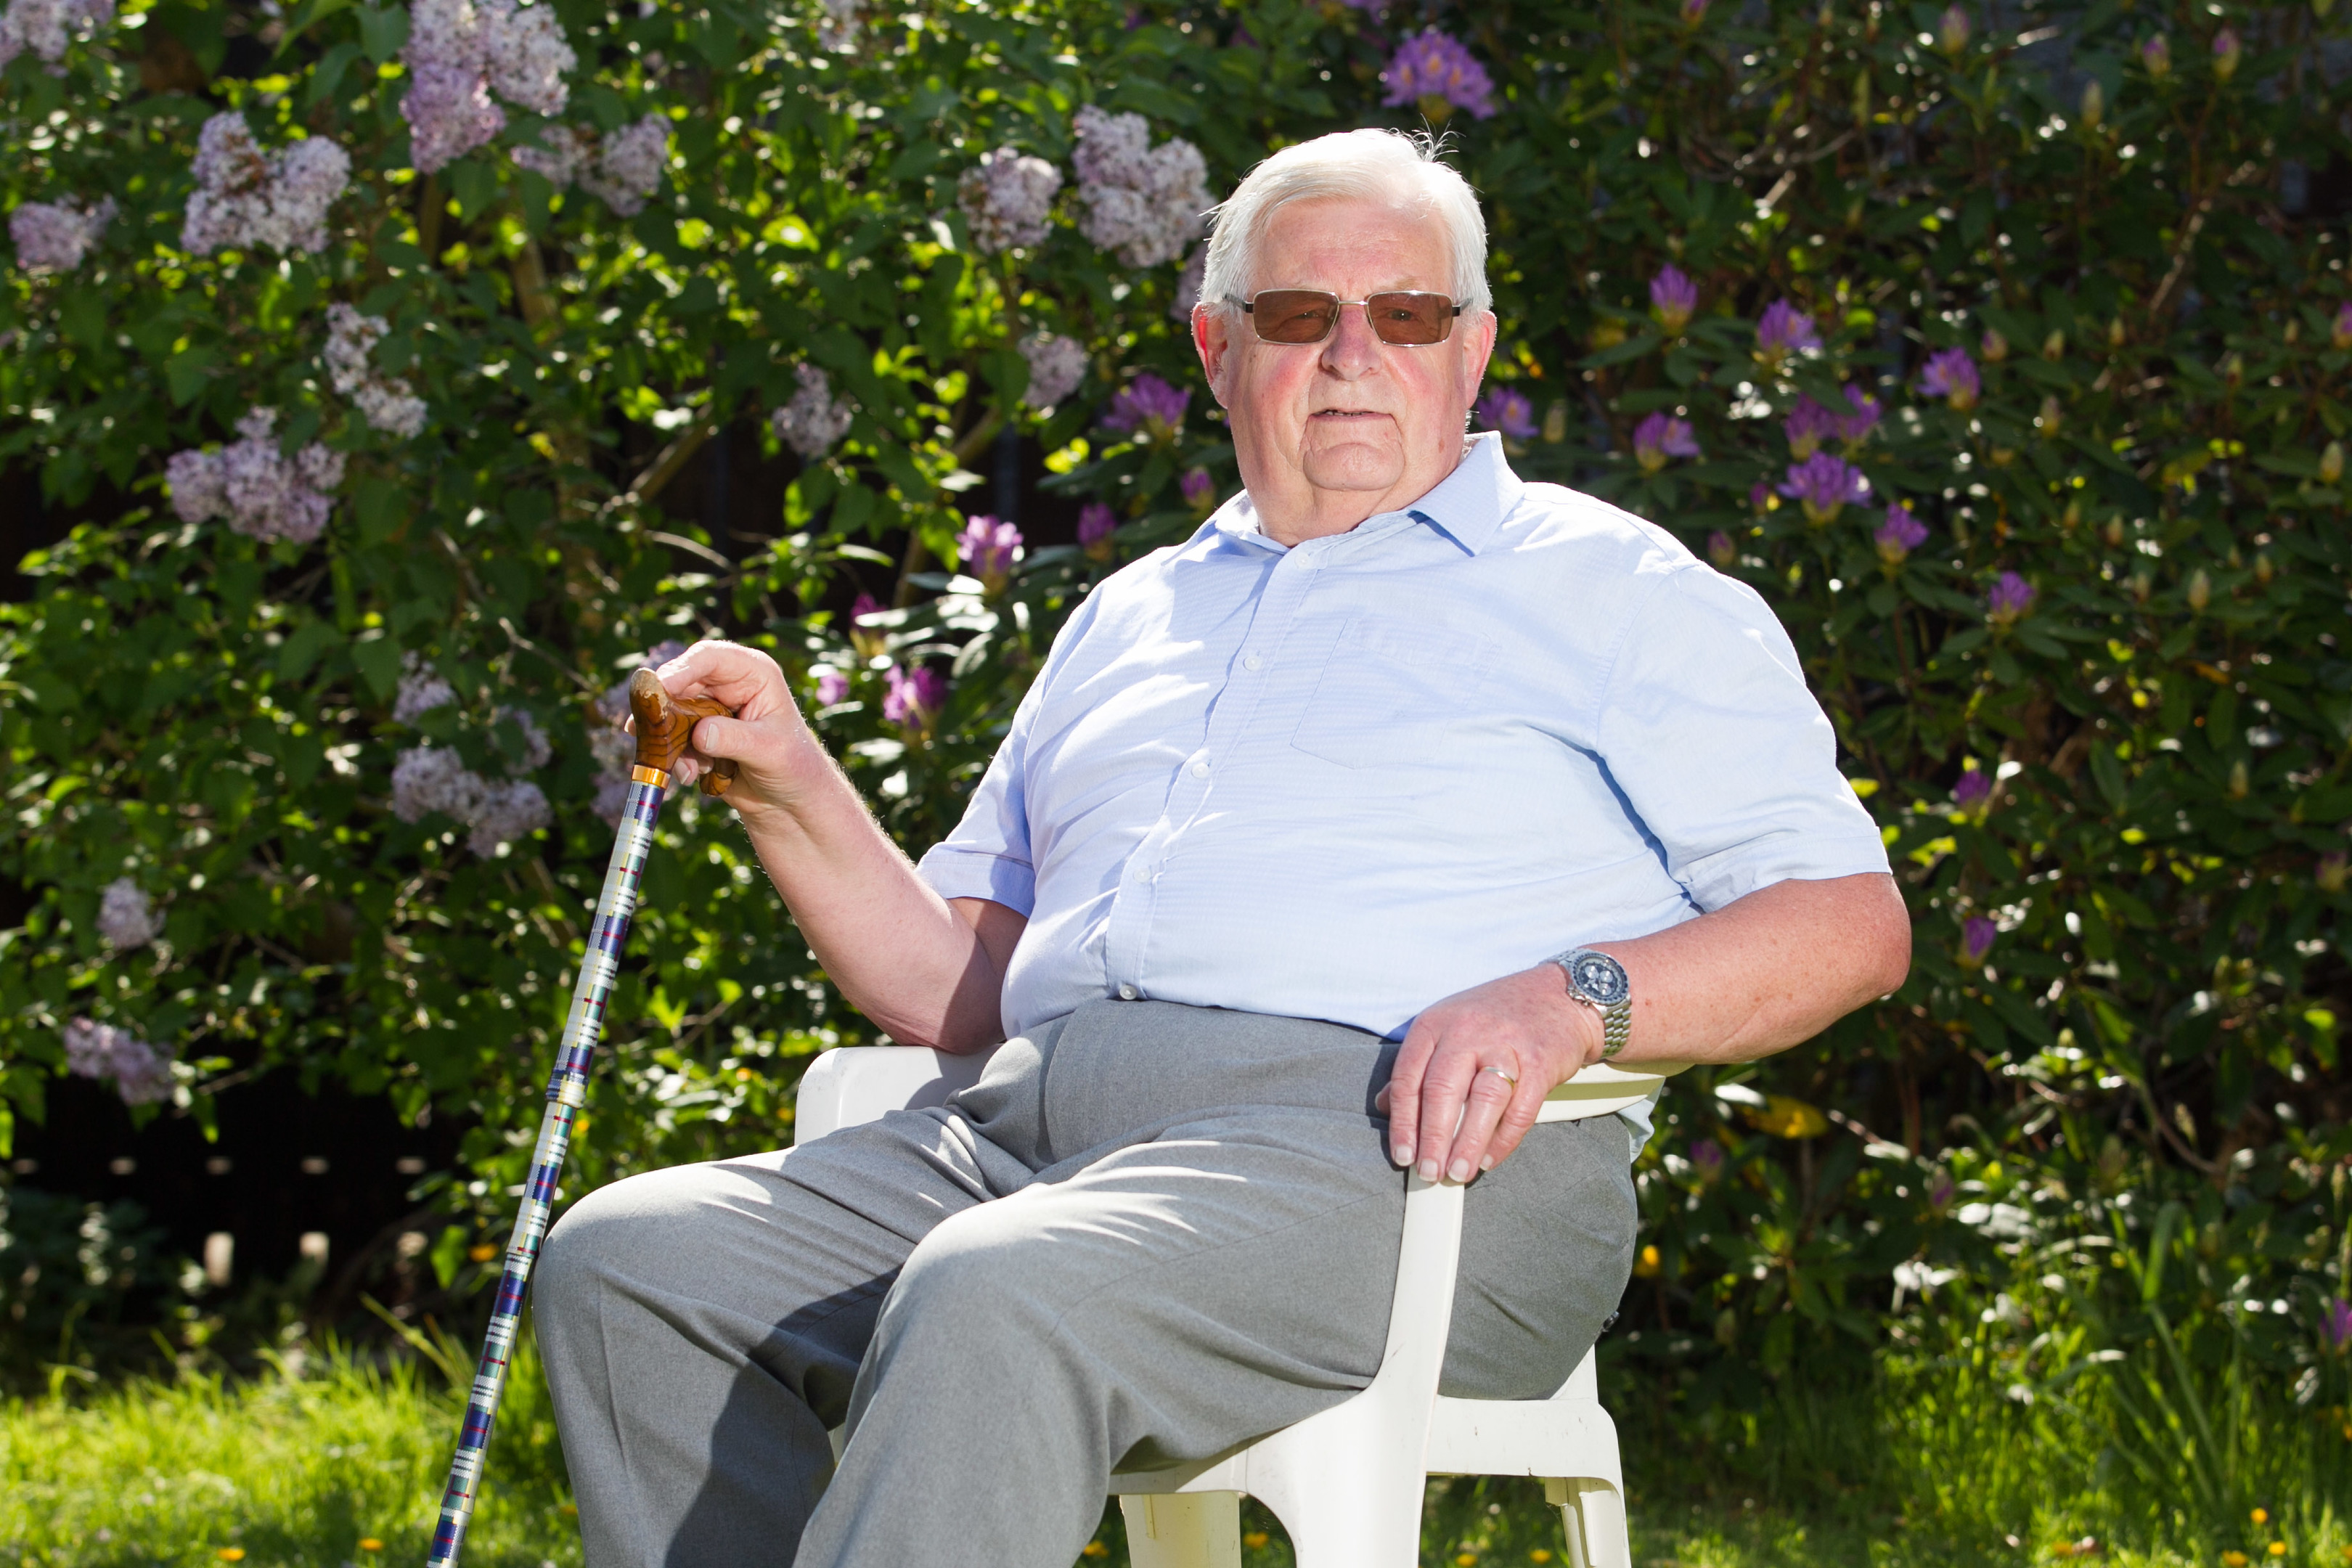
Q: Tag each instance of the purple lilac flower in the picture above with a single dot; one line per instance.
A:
(2011, 597)
(871, 642)
(1508, 409)
(54, 236)
(1783, 330)
(1438, 75)
(1097, 523)
(141, 1074)
(246, 198)
(421, 690)
(629, 168)
(985, 549)
(814, 419)
(1855, 427)
(1823, 484)
(1952, 30)
(1006, 199)
(1976, 935)
(259, 491)
(1974, 788)
(2337, 1323)
(832, 687)
(1148, 406)
(1899, 535)
(1674, 297)
(2227, 51)
(1707, 1158)
(914, 697)
(46, 27)
(1057, 365)
(1950, 375)
(2157, 56)
(459, 53)
(1143, 202)
(2340, 334)
(126, 919)
(1200, 490)
(1658, 438)
(507, 812)
(1807, 426)
(1721, 550)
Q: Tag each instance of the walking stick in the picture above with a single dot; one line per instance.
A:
(663, 724)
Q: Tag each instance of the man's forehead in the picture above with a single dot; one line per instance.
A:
(1375, 245)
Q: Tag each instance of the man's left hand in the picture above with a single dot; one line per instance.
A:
(1484, 1058)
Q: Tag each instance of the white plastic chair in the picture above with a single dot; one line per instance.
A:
(1348, 1483)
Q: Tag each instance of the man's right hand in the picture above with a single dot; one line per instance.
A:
(778, 761)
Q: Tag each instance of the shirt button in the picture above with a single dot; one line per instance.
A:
(1200, 770)
(1253, 662)
(1143, 873)
(1127, 993)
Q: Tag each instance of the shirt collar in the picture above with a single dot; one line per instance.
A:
(1466, 506)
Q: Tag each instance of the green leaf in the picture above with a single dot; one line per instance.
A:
(378, 658)
(187, 373)
(383, 31)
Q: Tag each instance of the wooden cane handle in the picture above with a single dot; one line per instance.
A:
(664, 725)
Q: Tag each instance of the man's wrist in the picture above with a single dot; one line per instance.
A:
(1581, 1024)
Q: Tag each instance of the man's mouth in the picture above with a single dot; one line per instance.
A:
(1347, 414)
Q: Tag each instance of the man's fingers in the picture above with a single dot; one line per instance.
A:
(1489, 1097)
(742, 677)
(1444, 1089)
(1402, 1093)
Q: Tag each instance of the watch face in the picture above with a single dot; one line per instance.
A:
(1601, 977)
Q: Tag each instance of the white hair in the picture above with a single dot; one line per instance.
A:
(1394, 168)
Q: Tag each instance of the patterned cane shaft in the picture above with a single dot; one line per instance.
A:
(567, 1091)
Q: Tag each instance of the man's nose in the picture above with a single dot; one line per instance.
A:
(1353, 349)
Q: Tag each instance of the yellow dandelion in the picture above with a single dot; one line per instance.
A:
(2262, 1516)
(571, 1508)
(1255, 1538)
(370, 1543)
(1539, 1555)
(483, 1253)
(1095, 1549)
(2278, 1548)
(2234, 1558)
(231, 1555)
(1465, 1559)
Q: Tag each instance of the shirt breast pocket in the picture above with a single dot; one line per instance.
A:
(1391, 692)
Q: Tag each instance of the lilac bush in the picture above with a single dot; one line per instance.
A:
(54, 236)
(1145, 203)
(1006, 199)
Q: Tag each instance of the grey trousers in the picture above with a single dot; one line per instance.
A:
(1148, 1232)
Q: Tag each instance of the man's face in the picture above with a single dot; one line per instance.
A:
(1329, 434)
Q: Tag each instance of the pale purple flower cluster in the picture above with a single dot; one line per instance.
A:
(1006, 199)
(430, 779)
(259, 488)
(912, 698)
(461, 52)
(385, 402)
(1977, 937)
(1951, 376)
(812, 421)
(141, 1074)
(1783, 330)
(1057, 365)
(1508, 409)
(1148, 406)
(985, 550)
(1097, 523)
(507, 812)
(1439, 75)
(832, 686)
(838, 33)
(1144, 202)
(629, 165)
(564, 155)
(537, 751)
(125, 918)
(44, 27)
(54, 236)
(1660, 437)
(1899, 535)
(245, 197)
(421, 689)
(2011, 597)
(1823, 484)
(1674, 297)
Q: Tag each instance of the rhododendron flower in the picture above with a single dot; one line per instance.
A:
(1823, 484)
(914, 697)
(1951, 376)
(1761, 496)
(1977, 937)
(1807, 426)
(871, 642)
(812, 421)
(1148, 406)
(1097, 523)
(2340, 333)
(2335, 1323)
(1973, 789)
(1899, 535)
(1952, 30)
(1508, 409)
(2157, 56)
(1144, 202)
(832, 686)
(985, 550)
(1200, 490)
(2227, 51)
(1707, 1159)
(1994, 347)
(1782, 331)
(1057, 365)
(1674, 297)
(2011, 597)
(1659, 437)
(1006, 199)
(1694, 11)
(54, 236)
(1437, 75)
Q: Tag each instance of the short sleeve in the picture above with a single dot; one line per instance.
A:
(1707, 726)
(987, 855)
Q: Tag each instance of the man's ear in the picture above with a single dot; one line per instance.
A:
(1477, 350)
(1213, 340)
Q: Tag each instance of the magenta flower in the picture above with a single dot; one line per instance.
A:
(2011, 597)
(1855, 427)
(2340, 335)
(1096, 523)
(2337, 1323)
(1976, 936)
(1437, 75)
(1658, 438)
(1674, 297)
(1823, 484)
(1707, 1158)
(2157, 56)
(1899, 535)
(1970, 793)
(985, 549)
(1199, 489)
(871, 642)
(1783, 330)
(1150, 407)
(1807, 426)
(1508, 409)
(832, 687)
(2227, 51)
(1951, 376)
(1721, 550)
(914, 697)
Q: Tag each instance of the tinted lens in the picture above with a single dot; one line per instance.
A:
(1411, 318)
(1294, 315)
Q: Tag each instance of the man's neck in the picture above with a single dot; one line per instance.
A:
(1321, 513)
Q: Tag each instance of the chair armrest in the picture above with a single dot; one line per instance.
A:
(1602, 1089)
(853, 1084)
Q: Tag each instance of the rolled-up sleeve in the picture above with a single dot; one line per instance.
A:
(1707, 726)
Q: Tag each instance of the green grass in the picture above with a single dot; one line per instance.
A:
(301, 1466)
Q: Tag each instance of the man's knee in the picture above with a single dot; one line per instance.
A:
(631, 1221)
(984, 1266)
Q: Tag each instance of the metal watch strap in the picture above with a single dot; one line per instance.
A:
(1616, 1017)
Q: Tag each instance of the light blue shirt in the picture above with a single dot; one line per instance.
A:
(1348, 778)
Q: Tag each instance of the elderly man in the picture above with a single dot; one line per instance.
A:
(1325, 843)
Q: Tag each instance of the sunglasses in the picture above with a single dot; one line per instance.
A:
(1307, 316)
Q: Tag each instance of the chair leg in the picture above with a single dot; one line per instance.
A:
(1593, 1513)
(1183, 1530)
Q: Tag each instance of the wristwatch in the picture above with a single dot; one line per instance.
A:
(1599, 981)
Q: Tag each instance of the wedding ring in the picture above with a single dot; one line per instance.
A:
(1499, 1073)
